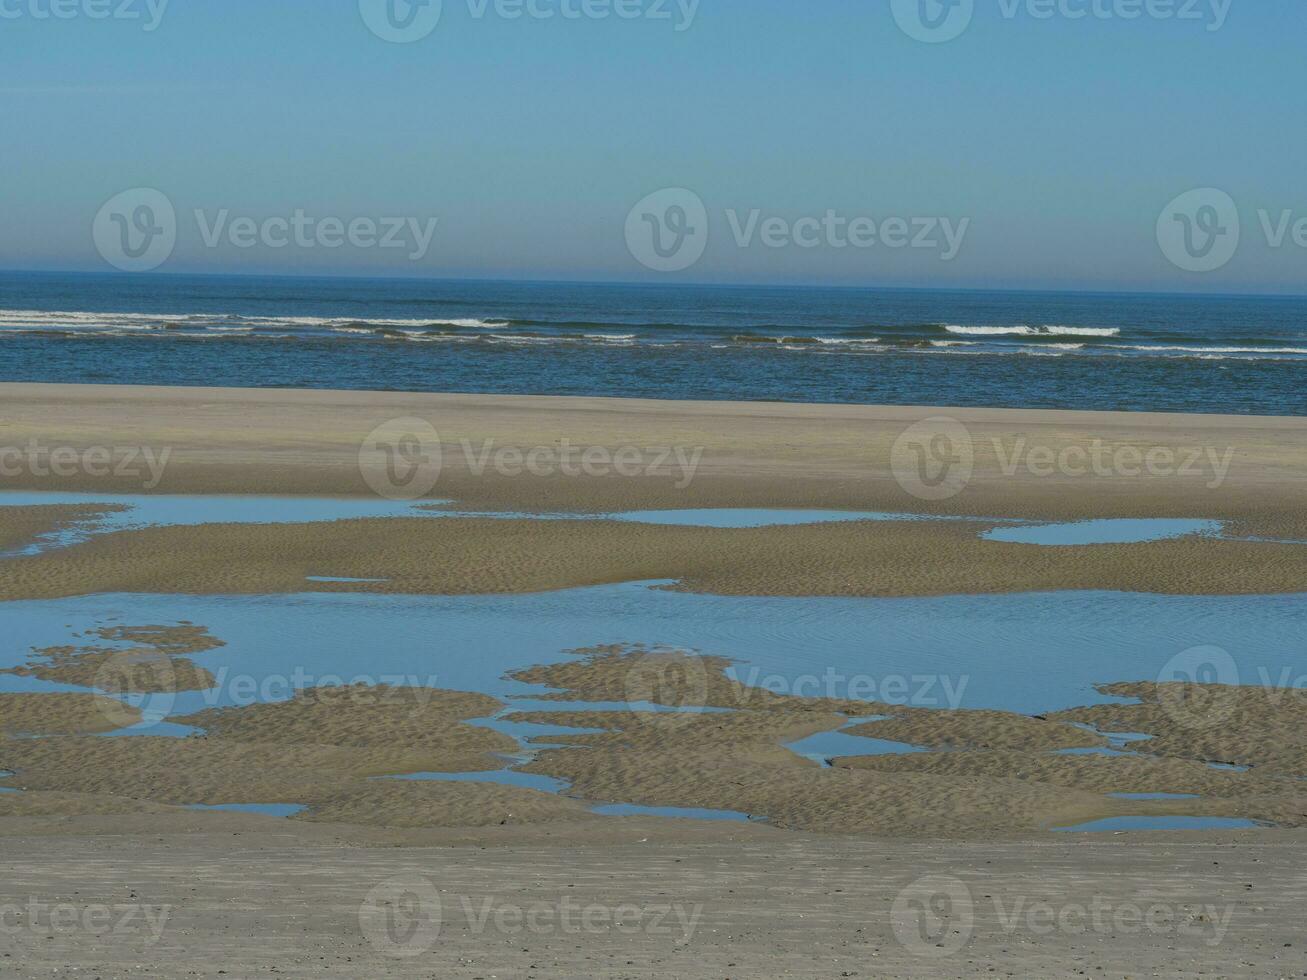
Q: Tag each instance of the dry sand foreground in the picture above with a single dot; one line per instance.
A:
(240, 899)
(254, 896)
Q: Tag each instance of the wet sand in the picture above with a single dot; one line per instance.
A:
(469, 556)
(23, 526)
(988, 774)
(810, 892)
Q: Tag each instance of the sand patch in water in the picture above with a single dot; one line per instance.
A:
(473, 556)
(411, 719)
(998, 730)
(24, 526)
(158, 665)
(1261, 727)
(63, 714)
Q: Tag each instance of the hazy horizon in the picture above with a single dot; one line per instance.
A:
(1041, 148)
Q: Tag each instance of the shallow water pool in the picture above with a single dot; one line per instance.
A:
(1123, 824)
(1124, 531)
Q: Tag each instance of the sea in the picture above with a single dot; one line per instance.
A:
(1072, 350)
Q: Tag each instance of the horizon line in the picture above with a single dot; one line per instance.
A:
(666, 284)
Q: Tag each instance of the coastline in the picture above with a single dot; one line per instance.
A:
(775, 455)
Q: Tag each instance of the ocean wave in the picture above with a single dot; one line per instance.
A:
(1193, 349)
(1051, 330)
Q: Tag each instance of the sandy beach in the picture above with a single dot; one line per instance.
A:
(844, 839)
(752, 454)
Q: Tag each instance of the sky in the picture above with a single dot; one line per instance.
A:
(1035, 149)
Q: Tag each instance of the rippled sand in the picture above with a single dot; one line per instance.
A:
(475, 556)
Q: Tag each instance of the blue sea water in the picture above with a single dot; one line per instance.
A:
(884, 346)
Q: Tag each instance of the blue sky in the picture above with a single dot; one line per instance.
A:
(1060, 140)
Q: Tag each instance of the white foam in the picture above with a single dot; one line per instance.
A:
(1051, 330)
(991, 331)
(1185, 349)
(1057, 331)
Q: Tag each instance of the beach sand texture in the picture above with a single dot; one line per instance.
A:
(804, 890)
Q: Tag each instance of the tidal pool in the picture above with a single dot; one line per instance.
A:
(167, 510)
(1026, 653)
(1123, 824)
(156, 510)
(1124, 531)
(267, 809)
(825, 746)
